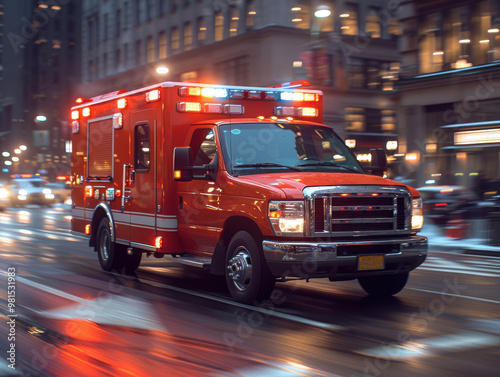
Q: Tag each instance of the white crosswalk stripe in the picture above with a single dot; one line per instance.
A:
(489, 267)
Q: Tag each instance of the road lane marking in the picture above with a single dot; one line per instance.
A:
(110, 309)
(462, 267)
(268, 312)
(467, 340)
(454, 294)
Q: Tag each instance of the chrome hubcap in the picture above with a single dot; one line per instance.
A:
(104, 246)
(240, 269)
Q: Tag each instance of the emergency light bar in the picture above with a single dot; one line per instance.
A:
(210, 92)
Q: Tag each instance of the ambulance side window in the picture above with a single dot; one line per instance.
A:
(203, 146)
(141, 148)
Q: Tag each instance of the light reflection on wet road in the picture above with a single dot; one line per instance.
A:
(75, 320)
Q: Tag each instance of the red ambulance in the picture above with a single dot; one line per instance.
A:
(239, 181)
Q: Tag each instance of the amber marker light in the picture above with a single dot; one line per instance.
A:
(177, 174)
(87, 229)
(159, 242)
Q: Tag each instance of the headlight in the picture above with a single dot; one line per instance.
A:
(417, 214)
(4, 193)
(47, 191)
(287, 217)
(23, 192)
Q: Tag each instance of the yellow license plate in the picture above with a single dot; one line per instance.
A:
(370, 262)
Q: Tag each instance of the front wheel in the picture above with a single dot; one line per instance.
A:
(247, 275)
(384, 285)
(111, 255)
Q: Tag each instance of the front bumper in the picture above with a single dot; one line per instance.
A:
(338, 260)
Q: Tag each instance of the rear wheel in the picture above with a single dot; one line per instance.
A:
(247, 275)
(385, 285)
(111, 255)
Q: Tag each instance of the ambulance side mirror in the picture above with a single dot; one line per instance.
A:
(378, 162)
(183, 164)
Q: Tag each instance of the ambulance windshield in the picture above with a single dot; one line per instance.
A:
(252, 147)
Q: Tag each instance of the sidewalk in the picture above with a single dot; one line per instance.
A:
(476, 243)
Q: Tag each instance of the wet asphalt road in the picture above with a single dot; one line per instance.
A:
(69, 318)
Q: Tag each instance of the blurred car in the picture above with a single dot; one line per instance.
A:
(61, 190)
(30, 189)
(441, 201)
(4, 197)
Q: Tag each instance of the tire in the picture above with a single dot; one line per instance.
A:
(132, 262)
(247, 276)
(111, 256)
(385, 285)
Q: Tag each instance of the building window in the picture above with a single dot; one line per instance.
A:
(355, 119)
(126, 55)
(356, 77)
(118, 19)
(431, 51)
(105, 27)
(118, 58)
(202, 30)
(104, 65)
(234, 71)
(395, 28)
(126, 15)
(151, 9)
(250, 13)
(174, 40)
(188, 36)
(388, 121)
(219, 26)
(301, 15)
(162, 45)
(163, 7)
(372, 26)
(349, 20)
(174, 4)
(150, 49)
(91, 70)
(137, 12)
(373, 75)
(138, 52)
(190, 76)
(233, 24)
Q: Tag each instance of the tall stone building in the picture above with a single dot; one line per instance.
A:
(40, 67)
(350, 53)
(449, 92)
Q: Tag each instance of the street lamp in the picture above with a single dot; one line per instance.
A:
(322, 11)
(162, 70)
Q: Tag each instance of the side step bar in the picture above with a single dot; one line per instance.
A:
(200, 262)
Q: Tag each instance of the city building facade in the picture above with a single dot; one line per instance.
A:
(349, 51)
(449, 91)
(40, 67)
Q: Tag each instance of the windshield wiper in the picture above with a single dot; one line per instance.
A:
(266, 164)
(329, 163)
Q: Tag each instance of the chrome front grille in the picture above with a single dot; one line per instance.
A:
(357, 210)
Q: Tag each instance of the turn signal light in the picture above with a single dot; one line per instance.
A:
(159, 242)
(87, 229)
